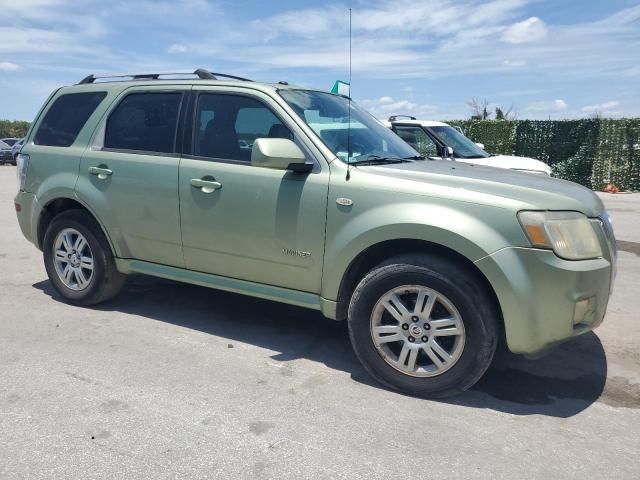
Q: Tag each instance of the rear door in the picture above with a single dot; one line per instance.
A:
(258, 224)
(129, 177)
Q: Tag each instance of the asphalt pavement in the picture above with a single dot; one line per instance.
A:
(178, 381)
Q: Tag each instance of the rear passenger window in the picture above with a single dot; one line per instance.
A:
(66, 117)
(144, 122)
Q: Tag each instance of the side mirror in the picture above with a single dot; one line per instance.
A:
(447, 152)
(481, 145)
(279, 154)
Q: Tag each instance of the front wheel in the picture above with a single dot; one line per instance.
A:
(78, 259)
(423, 325)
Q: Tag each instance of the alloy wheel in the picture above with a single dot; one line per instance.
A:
(417, 331)
(73, 259)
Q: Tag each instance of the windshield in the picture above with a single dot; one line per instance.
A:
(462, 146)
(328, 116)
(9, 141)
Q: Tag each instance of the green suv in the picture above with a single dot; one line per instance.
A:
(300, 196)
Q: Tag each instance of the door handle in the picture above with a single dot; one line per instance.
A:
(101, 172)
(207, 186)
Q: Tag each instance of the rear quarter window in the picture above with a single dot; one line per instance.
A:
(66, 117)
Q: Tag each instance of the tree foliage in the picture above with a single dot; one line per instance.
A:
(479, 108)
(506, 113)
(13, 129)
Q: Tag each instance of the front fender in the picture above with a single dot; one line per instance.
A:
(463, 230)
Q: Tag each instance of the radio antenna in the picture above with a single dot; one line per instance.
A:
(349, 114)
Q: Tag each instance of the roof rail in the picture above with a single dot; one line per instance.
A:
(201, 73)
(393, 118)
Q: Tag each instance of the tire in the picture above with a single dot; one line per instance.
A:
(89, 286)
(455, 336)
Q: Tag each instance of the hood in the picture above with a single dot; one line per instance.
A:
(486, 185)
(511, 162)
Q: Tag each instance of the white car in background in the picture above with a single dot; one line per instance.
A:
(440, 140)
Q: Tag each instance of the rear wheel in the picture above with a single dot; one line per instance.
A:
(423, 325)
(78, 259)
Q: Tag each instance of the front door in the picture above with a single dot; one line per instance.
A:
(415, 136)
(247, 222)
(129, 178)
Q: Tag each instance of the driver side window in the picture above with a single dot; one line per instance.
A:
(418, 139)
(227, 126)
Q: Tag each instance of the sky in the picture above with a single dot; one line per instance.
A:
(426, 58)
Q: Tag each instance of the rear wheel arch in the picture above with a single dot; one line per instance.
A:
(63, 204)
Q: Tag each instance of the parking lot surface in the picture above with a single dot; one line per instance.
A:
(178, 381)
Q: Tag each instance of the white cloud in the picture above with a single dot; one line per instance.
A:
(303, 23)
(169, 9)
(38, 41)
(29, 8)
(386, 106)
(435, 17)
(9, 67)
(601, 107)
(178, 48)
(530, 30)
(395, 43)
(514, 63)
(552, 106)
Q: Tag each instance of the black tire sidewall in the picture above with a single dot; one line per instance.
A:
(480, 331)
(74, 220)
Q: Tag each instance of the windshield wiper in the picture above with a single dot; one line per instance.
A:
(378, 160)
(415, 157)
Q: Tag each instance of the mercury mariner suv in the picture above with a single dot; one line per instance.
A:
(300, 196)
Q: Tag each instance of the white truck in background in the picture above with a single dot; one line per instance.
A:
(440, 140)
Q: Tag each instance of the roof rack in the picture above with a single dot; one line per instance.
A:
(393, 118)
(201, 73)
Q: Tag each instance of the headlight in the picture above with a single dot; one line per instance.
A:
(569, 234)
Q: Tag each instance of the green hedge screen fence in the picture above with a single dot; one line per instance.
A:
(592, 152)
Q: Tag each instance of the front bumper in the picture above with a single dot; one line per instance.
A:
(545, 299)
